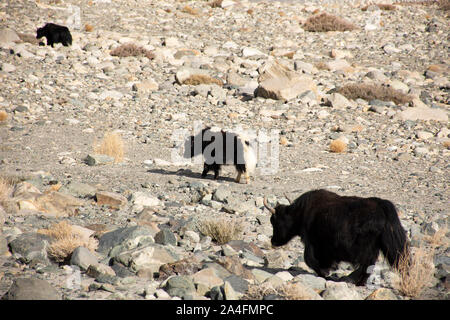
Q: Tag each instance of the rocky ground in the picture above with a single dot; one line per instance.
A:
(143, 214)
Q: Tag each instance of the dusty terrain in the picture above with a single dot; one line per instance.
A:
(60, 101)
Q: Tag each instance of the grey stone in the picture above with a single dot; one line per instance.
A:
(78, 189)
(8, 35)
(30, 247)
(98, 159)
(83, 258)
(32, 289)
(222, 193)
(239, 284)
(3, 244)
(217, 293)
(128, 238)
(340, 291)
(180, 286)
(165, 236)
(150, 257)
(309, 280)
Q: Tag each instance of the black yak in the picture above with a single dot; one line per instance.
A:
(337, 228)
(55, 34)
(222, 148)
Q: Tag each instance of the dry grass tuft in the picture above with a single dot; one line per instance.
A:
(88, 27)
(111, 145)
(190, 10)
(131, 50)
(444, 5)
(65, 240)
(324, 22)
(338, 146)
(216, 4)
(417, 269)
(221, 230)
(197, 79)
(3, 115)
(288, 291)
(371, 91)
(5, 189)
(382, 6)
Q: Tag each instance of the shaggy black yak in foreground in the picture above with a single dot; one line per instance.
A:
(337, 228)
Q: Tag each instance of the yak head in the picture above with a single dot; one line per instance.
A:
(282, 222)
(40, 33)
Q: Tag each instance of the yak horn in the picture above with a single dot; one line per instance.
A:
(290, 201)
(272, 210)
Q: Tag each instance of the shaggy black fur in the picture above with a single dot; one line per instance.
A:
(337, 228)
(55, 34)
(229, 148)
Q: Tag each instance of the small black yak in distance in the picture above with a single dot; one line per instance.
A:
(55, 34)
(222, 148)
(337, 228)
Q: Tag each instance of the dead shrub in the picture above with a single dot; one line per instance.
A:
(65, 239)
(220, 230)
(370, 92)
(3, 116)
(197, 79)
(416, 270)
(444, 5)
(338, 146)
(382, 6)
(131, 50)
(5, 189)
(288, 291)
(190, 10)
(111, 145)
(216, 3)
(88, 27)
(324, 22)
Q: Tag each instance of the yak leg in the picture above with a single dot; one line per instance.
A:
(206, 169)
(238, 178)
(312, 262)
(247, 177)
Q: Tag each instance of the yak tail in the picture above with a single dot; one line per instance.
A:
(393, 238)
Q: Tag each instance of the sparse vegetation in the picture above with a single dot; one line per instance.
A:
(221, 230)
(372, 91)
(190, 10)
(324, 22)
(338, 146)
(65, 239)
(111, 145)
(5, 189)
(444, 5)
(416, 270)
(216, 3)
(202, 79)
(382, 6)
(3, 116)
(88, 27)
(131, 50)
(288, 291)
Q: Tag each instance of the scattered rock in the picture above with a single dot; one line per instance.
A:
(32, 289)
(278, 82)
(111, 199)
